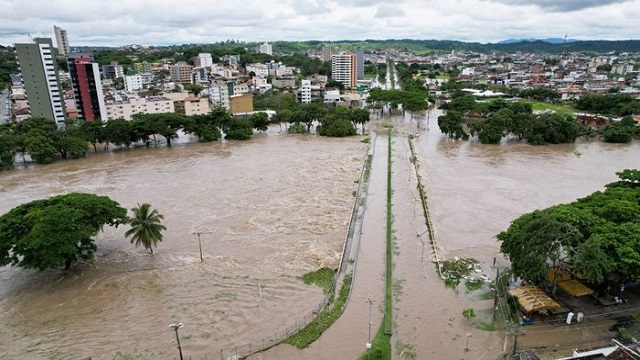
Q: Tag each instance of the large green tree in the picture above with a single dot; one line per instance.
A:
(60, 230)
(146, 227)
(597, 236)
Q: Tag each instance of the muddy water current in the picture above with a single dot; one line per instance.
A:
(267, 210)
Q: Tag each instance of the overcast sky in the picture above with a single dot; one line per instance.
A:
(165, 22)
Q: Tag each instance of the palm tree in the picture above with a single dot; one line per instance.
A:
(146, 226)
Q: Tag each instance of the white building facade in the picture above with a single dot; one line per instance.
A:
(133, 83)
(304, 93)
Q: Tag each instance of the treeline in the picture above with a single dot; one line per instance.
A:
(611, 104)
(335, 121)
(44, 142)
(491, 121)
(412, 101)
(414, 97)
(8, 66)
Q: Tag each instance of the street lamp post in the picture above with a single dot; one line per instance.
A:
(369, 342)
(175, 327)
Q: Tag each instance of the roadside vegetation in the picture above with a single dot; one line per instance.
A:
(312, 331)
(322, 278)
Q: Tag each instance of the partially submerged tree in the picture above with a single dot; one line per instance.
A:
(146, 227)
(60, 230)
(597, 236)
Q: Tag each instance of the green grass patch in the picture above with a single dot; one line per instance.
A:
(367, 167)
(387, 126)
(486, 295)
(473, 284)
(380, 346)
(322, 278)
(560, 108)
(485, 326)
(388, 311)
(312, 331)
(225, 296)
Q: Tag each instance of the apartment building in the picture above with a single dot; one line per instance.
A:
(265, 48)
(344, 69)
(40, 79)
(192, 106)
(304, 93)
(133, 105)
(112, 71)
(62, 41)
(327, 51)
(261, 70)
(180, 72)
(133, 83)
(219, 94)
(203, 60)
(142, 67)
(87, 88)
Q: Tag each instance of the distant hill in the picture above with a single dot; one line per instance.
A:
(547, 40)
(442, 46)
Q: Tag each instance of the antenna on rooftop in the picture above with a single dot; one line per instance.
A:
(564, 46)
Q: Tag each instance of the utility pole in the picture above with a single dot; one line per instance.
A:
(369, 342)
(466, 345)
(175, 327)
(200, 246)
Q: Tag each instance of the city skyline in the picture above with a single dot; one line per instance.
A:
(161, 22)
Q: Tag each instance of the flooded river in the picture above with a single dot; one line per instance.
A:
(269, 210)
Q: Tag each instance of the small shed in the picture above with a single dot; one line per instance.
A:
(571, 286)
(532, 298)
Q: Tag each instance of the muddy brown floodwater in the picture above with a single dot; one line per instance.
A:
(268, 210)
(474, 192)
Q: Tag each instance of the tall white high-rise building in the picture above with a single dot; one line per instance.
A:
(40, 79)
(64, 49)
(344, 69)
(265, 49)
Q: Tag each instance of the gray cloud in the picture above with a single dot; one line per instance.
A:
(562, 5)
(388, 11)
(310, 7)
(366, 3)
(164, 22)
